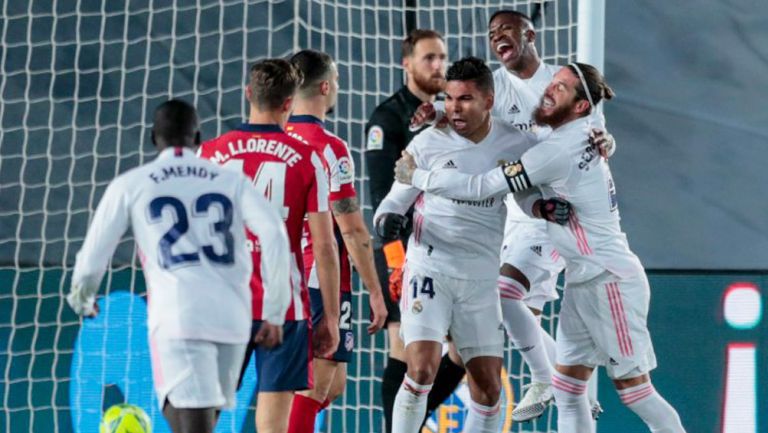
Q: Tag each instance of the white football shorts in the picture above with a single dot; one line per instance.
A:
(528, 248)
(604, 322)
(196, 374)
(433, 306)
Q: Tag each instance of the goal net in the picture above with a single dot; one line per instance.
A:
(79, 82)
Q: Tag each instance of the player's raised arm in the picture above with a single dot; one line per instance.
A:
(109, 223)
(264, 221)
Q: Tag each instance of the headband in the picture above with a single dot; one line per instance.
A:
(583, 82)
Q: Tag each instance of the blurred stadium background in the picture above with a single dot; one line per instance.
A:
(80, 79)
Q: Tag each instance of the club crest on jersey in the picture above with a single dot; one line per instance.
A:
(417, 307)
(375, 138)
(349, 341)
(512, 169)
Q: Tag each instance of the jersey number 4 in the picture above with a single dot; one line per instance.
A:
(200, 207)
(269, 180)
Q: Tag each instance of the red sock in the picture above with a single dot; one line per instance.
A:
(303, 412)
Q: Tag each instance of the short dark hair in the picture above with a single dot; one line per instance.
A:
(598, 88)
(175, 124)
(272, 81)
(471, 69)
(409, 43)
(514, 13)
(314, 66)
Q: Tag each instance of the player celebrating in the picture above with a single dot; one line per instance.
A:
(603, 318)
(423, 58)
(452, 252)
(316, 97)
(292, 176)
(187, 215)
(530, 264)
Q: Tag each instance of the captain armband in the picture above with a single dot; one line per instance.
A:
(516, 177)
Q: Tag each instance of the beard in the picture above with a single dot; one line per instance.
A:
(555, 118)
(428, 84)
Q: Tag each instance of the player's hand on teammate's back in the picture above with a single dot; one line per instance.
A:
(424, 114)
(603, 142)
(390, 226)
(81, 304)
(378, 312)
(404, 168)
(269, 335)
(555, 210)
(325, 338)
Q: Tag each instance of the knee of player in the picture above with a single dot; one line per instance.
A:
(423, 374)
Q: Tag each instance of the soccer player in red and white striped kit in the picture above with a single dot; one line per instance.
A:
(316, 97)
(292, 176)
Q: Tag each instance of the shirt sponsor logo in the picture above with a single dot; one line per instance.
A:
(375, 138)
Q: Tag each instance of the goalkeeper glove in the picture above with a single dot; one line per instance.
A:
(555, 210)
(390, 226)
(396, 284)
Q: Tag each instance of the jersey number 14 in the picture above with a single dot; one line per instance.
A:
(268, 180)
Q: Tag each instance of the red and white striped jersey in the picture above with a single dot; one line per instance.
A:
(292, 177)
(341, 168)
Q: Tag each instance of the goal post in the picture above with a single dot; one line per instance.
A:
(78, 85)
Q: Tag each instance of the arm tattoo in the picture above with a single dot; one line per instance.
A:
(345, 206)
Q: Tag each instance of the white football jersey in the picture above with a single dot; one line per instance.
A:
(458, 238)
(515, 102)
(564, 165)
(541, 78)
(188, 216)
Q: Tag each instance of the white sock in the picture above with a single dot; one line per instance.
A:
(524, 329)
(483, 419)
(573, 414)
(658, 415)
(410, 406)
(549, 346)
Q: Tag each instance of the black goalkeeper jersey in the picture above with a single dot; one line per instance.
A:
(387, 135)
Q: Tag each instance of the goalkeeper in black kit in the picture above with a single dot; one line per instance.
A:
(424, 61)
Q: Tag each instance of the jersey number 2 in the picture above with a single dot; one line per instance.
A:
(181, 226)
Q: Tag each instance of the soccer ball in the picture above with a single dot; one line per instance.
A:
(125, 418)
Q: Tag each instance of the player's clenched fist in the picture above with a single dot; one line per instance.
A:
(555, 210)
(325, 337)
(390, 226)
(269, 335)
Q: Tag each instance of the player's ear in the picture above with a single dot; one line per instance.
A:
(530, 36)
(489, 99)
(325, 87)
(288, 105)
(582, 106)
(248, 93)
(406, 63)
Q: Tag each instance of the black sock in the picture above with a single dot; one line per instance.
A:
(394, 373)
(449, 376)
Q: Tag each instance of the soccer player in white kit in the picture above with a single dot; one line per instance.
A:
(603, 318)
(453, 254)
(530, 265)
(188, 216)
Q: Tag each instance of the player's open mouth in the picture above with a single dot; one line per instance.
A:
(505, 51)
(459, 123)
(547, 102)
